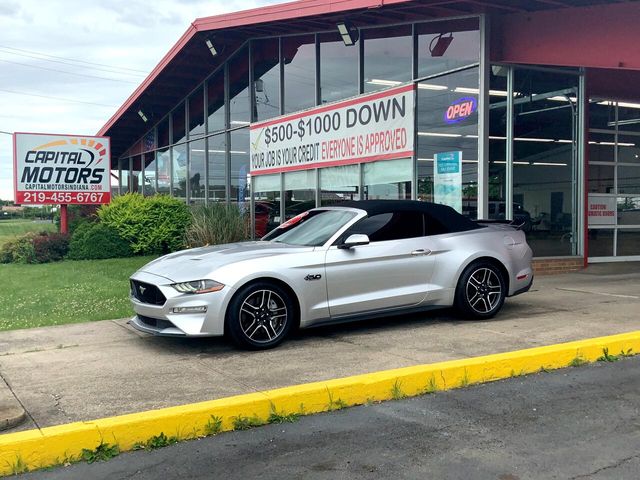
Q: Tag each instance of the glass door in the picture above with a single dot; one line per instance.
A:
(545, 159)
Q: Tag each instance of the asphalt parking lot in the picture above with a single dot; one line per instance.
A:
(93, 370)
(574, 423)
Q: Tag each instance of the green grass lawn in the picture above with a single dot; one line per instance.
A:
(10, 229)
(65, 292)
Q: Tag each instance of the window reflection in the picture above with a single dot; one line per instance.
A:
(239, 165)
(266, 78)
(338, 184)
(389, 179)
(443, 46)
(267, 203)
(196, 113)
(338, 68)
(179, 181)
(196, 170)
(149, 178)
(387, 57)
(163, 157)
(215, 102)
(239, 88)
(438, 135)
(299, 57)
(217, 167)
(299, 194)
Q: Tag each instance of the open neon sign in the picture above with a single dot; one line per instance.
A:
(460, 110)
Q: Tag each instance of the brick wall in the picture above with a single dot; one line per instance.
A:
(554, 265)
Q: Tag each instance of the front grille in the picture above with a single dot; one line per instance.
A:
(147, 293)
(155, 322)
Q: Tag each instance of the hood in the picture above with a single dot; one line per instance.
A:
(199, 263)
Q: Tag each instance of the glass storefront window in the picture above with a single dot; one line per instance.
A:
(628, 148)
(338, 68)
(628, 210)
(163, 133)
(497, 145)
(338, 184)
(149, 178)
(299, 192)
(443, 46)
(137, 173)
(215, 102)
(266, 194)
(178, 124)
(601, 242)
(628, 178)
(629, 116)
(266, 78)
(216, 157)
(299, 57)
(197, 170)
(239, 165)
(387, 57)
(437, 133)
(124, 175)
(163, 157)
(179, 180)
(544, 183)
(389, 179)
(196, 114)
(601, 147)
(628, 242)
(239, 89)
(601, 178)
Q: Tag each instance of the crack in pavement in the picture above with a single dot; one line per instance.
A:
(602, 469)
(28, 413)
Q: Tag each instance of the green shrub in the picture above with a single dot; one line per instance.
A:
(151, 225)
(215, 224)
(33, 247)
(92, 241)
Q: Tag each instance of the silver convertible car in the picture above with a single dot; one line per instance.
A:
(332, 264)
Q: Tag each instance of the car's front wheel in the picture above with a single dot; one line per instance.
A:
(481, 291)
(260, 316)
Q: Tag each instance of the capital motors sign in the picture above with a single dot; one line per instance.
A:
(61, 169)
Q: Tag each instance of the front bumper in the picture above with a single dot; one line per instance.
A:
(161, 320)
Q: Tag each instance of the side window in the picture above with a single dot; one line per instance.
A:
(390, 226)
(433, 226)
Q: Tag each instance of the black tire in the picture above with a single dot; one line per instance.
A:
(260, 316)
(481, 291)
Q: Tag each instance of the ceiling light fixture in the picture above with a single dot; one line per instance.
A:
(211, 47)
(348, 33)
(439, 44)
(143, 116)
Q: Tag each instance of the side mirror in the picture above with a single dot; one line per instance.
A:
(354, 240)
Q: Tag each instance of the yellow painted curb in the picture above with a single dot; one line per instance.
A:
(49, 446)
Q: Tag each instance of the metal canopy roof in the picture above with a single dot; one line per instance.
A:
(189, 61)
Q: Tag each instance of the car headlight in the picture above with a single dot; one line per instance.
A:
(198, 286)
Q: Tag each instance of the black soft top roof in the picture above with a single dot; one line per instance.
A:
(447, 216)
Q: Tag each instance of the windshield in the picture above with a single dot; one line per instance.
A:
(311, 229)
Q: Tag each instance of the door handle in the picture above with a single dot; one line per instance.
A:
(421, 251)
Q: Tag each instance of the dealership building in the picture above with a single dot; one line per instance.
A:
(526, 110)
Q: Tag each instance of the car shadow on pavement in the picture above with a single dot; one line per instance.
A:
(222, 346)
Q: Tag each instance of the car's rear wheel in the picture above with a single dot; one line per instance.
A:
(481, 291)
(260, 316)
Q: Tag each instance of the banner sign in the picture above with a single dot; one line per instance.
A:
(371, 127)
(447, 179)
(602, 210)
(61, 169)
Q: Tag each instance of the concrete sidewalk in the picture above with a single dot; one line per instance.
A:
(93, 370)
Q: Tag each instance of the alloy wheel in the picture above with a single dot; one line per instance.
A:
(263, 316)
(483, 290)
